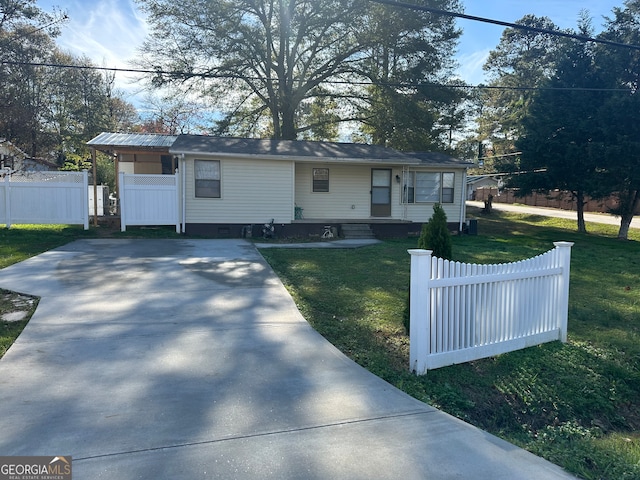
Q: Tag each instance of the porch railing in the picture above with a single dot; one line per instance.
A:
(463, 312)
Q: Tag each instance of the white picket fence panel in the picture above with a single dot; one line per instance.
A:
(463, 312)
(44, 198)
(149, 200)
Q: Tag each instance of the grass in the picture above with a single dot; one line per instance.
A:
(575, 404)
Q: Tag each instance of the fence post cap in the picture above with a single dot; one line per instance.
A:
(419, 251)
(563, 244)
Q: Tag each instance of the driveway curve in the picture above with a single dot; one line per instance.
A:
(187, 359)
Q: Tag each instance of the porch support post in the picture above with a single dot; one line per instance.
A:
(419, 311)
(95, 188)
(463, 201)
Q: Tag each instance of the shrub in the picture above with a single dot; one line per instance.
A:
(435, 234)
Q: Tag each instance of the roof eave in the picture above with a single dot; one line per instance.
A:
(294, 158)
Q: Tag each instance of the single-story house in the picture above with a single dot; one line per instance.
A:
(228, 184)
(15, 160)
(474, 182)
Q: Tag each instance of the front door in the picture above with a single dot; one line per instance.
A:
(380, 192)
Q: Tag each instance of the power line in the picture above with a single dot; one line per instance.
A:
(204, 75)
(558, 33)
(35, 30)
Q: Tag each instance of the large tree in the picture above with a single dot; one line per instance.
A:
(619, 117)
(265, 63)
(50, 111)
(24, 39)
(561, 141)
(520, 63)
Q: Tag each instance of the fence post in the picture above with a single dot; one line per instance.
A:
(7, 198)
(85, 197)
(123, 206)
(564, 256)
(419, 310)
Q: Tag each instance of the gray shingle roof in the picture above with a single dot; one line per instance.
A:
(297, 150)
(301, 150)
(290, 149)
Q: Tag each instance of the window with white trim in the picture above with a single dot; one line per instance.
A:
(207, 178)
(428, 187)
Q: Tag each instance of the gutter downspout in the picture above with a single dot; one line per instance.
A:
(183, 174)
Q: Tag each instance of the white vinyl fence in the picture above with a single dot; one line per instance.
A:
(44, 198)
(463, 312)
(149, 200)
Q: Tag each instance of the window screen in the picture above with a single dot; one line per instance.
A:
(448, 182)
(320, 179)
(427, 188)
(207, 175)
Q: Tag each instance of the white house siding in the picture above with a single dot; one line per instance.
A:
(349, 194)
(252, 191)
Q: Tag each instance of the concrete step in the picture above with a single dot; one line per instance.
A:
(356, 231)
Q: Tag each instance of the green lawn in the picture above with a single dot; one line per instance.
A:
(576, 404)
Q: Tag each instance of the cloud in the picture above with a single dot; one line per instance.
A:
(471, 64)
(107, 31)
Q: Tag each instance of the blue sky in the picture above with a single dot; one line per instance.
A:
(110, 31)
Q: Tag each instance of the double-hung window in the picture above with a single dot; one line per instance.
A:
(428, 187)
(207, 175)
(320, 179)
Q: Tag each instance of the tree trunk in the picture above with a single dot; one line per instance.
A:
(582, 226)
(288, 129)
(627, 215)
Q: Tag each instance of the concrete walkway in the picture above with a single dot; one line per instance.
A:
(187, 359)
(558, 213)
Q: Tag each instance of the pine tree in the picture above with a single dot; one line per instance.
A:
(435, 235)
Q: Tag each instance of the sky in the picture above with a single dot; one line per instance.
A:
(109, 32)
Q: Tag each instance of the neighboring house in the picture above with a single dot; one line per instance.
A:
(474, 182)
(13, 158)
(230, 183)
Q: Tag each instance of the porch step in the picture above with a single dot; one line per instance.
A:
(353, 231)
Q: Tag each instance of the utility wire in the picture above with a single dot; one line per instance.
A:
(187, 75)
(63, 18)
(558, 33)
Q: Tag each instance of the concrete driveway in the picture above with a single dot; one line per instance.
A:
(187, 359)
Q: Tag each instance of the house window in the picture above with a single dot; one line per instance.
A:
(447, 187)
(408, 189)
(320, 179)
(428, 187)
(207, 174)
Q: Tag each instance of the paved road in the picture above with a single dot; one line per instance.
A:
(187, 359)
(556, 212)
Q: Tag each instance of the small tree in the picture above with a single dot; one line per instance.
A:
(435, 235)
